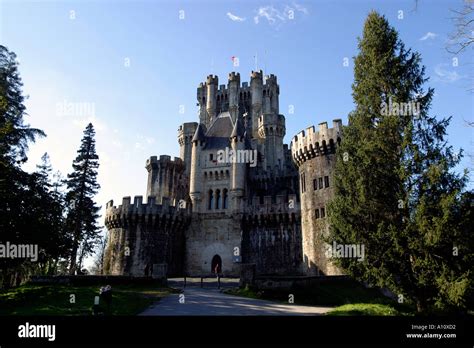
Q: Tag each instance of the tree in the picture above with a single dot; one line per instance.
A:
(81, 223)
(16, 208)
(98, 267)
(49, 216)
(395, 193)
(463, 35)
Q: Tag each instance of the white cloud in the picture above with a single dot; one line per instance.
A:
(235, 18)
(446, 75)
(275, 16)
(428, 35)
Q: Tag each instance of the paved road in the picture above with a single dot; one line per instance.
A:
(211, 301)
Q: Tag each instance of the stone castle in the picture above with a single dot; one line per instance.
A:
(236, 195)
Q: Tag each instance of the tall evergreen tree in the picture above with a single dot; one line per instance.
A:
(16, 207)
(49, 219)
(83, 212)
(395, 191)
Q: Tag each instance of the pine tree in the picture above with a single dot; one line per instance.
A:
(83, 212)
(49, 217)
(16, 208)
(395, 192)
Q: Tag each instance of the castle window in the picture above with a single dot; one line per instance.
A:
(210, 200)
(323, 213)
(326, 181)
(218, 198)
(315, 184)
(316, 213)
(320, 181)
(211, 157)
(303, 183)
(224, 199)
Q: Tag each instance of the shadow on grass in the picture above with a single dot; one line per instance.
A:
(57, 299)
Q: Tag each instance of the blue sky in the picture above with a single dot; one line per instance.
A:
(136, 62)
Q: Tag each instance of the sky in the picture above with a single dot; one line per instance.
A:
(132, 69)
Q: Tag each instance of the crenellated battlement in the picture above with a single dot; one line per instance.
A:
(233, 76)
(278, 210)
(271, 80)
(212, 80)
(186, 132)
(164, 161)
(310, 143)
(273, 204)
(137, 212)
(258, 75)
(271, 124)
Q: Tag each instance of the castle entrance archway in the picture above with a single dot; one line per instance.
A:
(216, 262)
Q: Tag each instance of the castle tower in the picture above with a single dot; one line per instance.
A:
(271, 128)
(185, 136)
(256, 89)
(314, 154)
(270, 96)
(195, 185)
(201, 96)
(165, 178)
(211, 106)
(238, 169)
(234, 87)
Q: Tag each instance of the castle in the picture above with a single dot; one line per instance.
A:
(236, 195)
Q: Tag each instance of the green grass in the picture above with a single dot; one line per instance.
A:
(348, 296)
(364, 309)
(55, 299)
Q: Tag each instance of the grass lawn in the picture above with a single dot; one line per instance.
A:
(365, 309)
(348, 297)
(55, 299)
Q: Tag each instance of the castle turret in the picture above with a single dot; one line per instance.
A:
(271, 128)
(234, 86)
(271, 92)
(314, 154)
(201, 96)
(237, 139)
(195, 185)
(256, 88)
(212, 84)
(165, 178)
(185, 136)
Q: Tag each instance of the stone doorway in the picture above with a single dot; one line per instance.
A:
(216, 263)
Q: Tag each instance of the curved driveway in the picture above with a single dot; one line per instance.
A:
(211, 301)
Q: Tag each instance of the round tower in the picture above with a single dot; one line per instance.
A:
(201, 99)
(195, 185)
(234, 87)
(256, 90)
(314, 153)
(165, 178)
(271, 128)
(185, 136)
(212, 85)
(272, 91)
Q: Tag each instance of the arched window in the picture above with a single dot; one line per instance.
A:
(218, 198)
(210, 200)
(224, 199)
